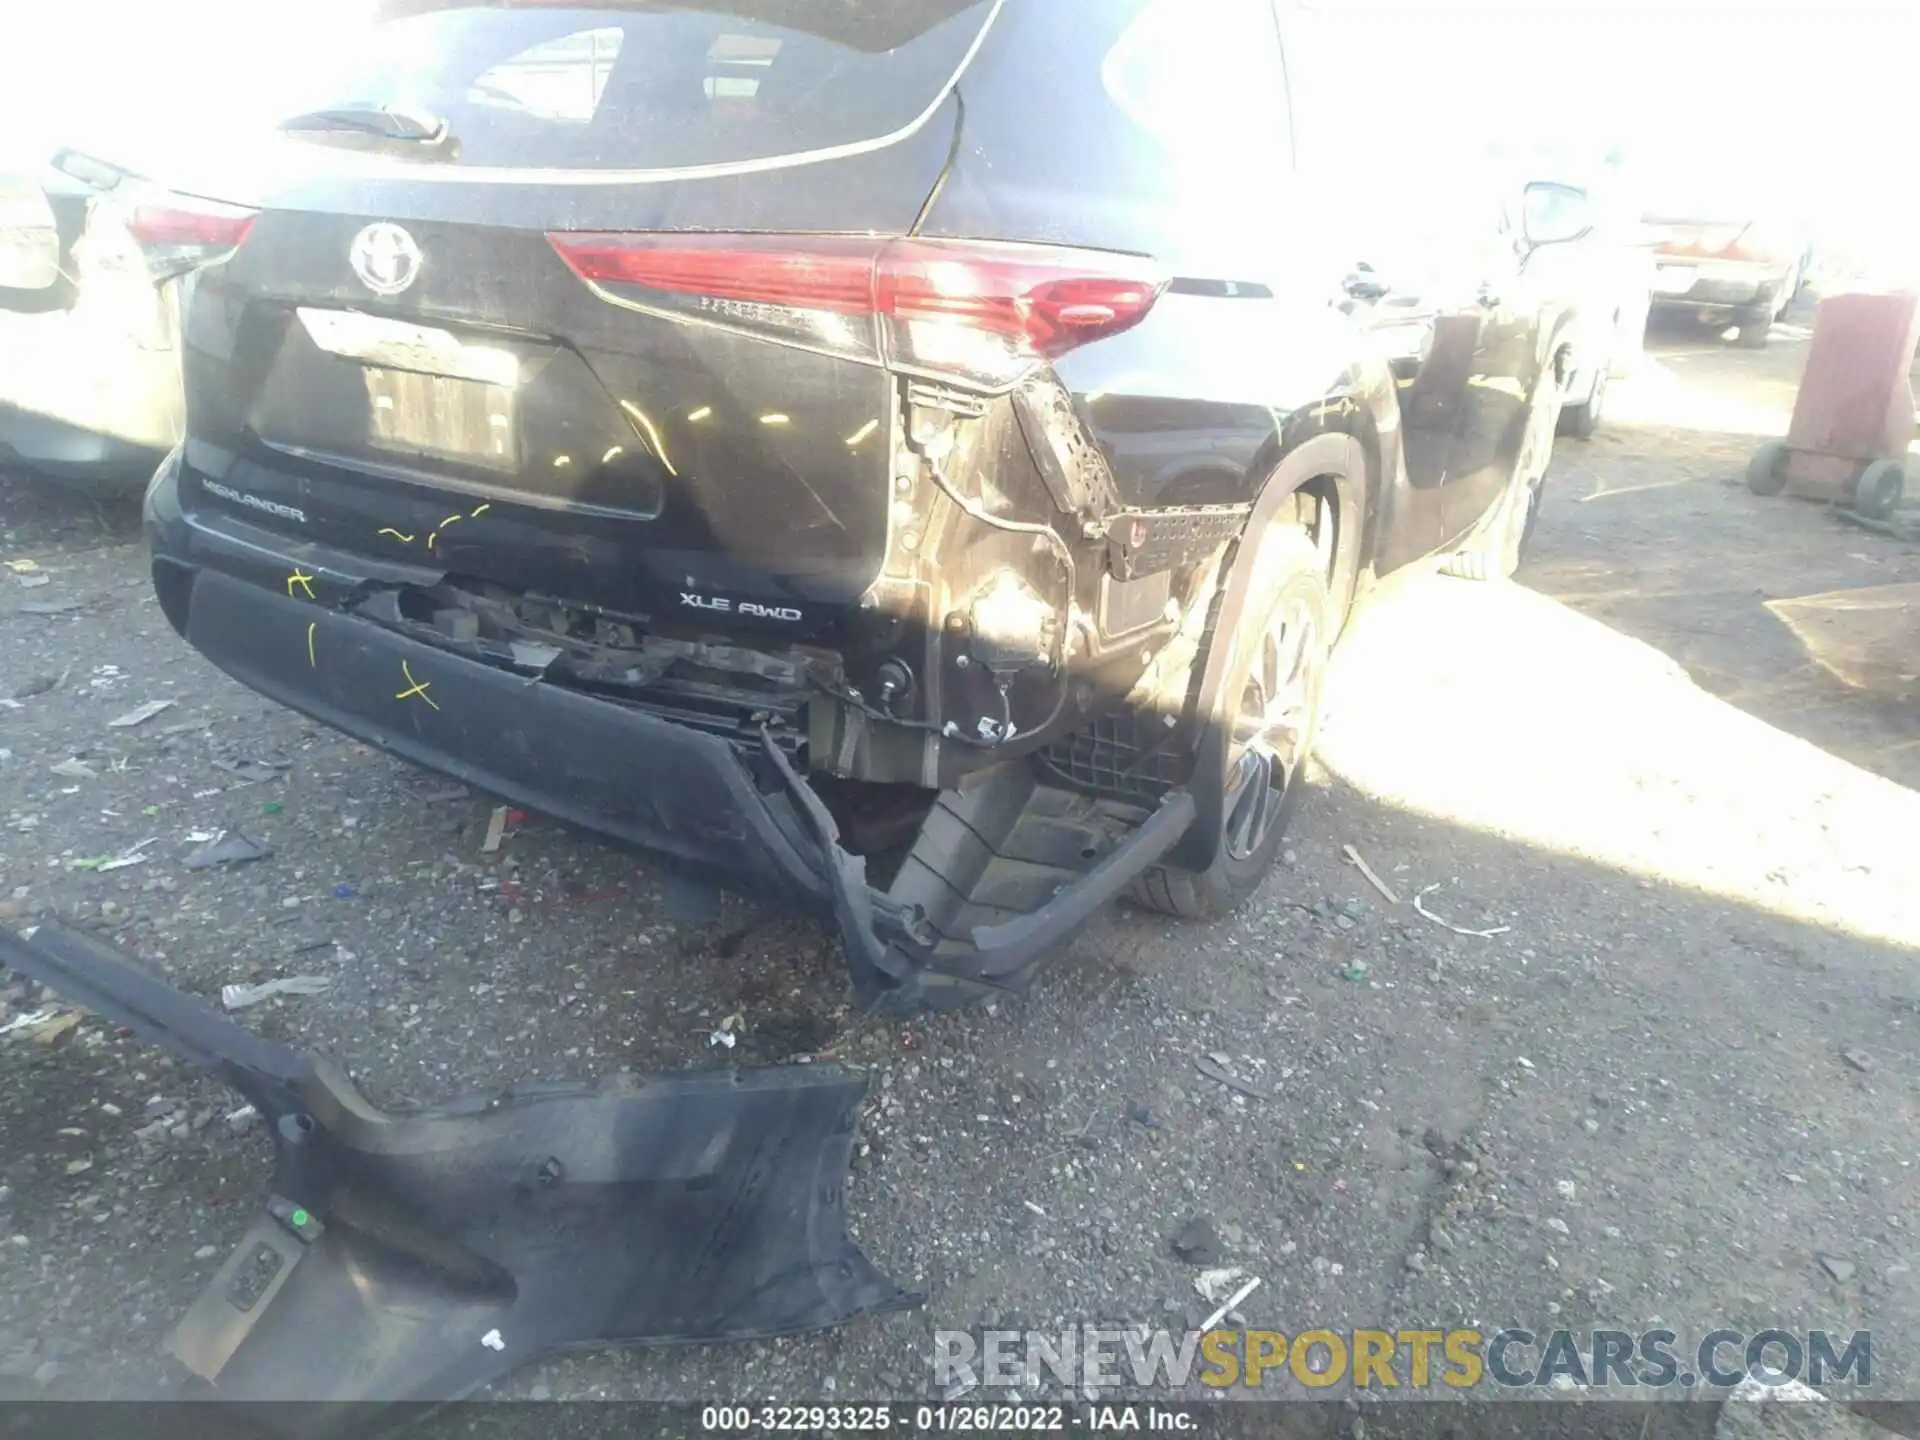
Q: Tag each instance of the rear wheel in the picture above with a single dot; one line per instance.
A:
(1751, 330)
(1582, 421)
(1274, 687)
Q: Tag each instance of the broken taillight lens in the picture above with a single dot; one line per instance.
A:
(979, 312)
(178, 233)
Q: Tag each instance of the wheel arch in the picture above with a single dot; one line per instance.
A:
(1331, 471)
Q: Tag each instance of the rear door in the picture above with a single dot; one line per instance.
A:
(1507, 305)
(502, 351)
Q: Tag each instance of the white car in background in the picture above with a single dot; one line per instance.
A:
(1605, 278)
(89, 330)
(90, 272)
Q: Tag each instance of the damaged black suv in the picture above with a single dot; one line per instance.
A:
(903, 458)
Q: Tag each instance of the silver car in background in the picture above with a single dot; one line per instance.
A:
(89, 327)
(90, 387)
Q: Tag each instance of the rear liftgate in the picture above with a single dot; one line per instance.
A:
(417, 1257)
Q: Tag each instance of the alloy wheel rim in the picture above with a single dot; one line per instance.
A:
(1272, 728)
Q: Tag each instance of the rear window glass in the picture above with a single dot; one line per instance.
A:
(638, 86)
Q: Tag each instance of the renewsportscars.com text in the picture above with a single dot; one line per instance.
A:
(1103, 1358)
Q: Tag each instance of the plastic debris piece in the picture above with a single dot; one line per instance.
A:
(496, 831)
(49, 1033)
(33, 582)
(132, 855)
(1213, 1070)
(140, 715)
(1233, 1283)
(23, 567)
(252, 772)
(230, 849)
(493, 1341)
(344, 892)
(75, 769)
(530, 655)
(1449, 925)
(272, 807)
(239, 997)
(27, 1021)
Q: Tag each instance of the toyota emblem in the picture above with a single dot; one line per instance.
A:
(386, 258)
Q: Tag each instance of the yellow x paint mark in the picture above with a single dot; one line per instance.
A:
(311, 662)
(403, 539)
(305, 582)
(417, 688)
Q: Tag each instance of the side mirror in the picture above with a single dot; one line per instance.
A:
(1555, 214)
(1364, 284)
(29, 239)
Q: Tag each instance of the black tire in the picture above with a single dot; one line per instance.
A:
(1289, 593)
(1752, 330)
(1767, 470)
(1879, 488)
(1582, 421)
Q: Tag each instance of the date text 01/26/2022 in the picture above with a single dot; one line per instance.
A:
(943, 1419)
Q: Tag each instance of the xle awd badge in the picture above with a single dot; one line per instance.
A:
(721, 605)
(386, 258)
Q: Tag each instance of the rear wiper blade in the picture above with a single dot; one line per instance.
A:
(389, 124)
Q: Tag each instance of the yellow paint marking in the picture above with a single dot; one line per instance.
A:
(305, 582)
(450, 520)
(311, 662)
(417, 688)
(403, 539)
(481, 511)
(650, 435)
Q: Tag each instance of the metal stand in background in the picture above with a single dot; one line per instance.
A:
(1853, 417)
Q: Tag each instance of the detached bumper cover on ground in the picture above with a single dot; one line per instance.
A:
(736, 815)
(415, 1258)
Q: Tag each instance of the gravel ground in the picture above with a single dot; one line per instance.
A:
(1679, 1088)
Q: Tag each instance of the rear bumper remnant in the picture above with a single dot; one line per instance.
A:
(733, 812)
(408, 1259)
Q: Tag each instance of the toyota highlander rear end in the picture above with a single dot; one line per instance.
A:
(574, 408)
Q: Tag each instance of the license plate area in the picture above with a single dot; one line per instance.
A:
(445, 416)
(1674, 279)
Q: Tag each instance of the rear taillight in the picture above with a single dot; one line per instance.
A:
(178, 233)
(975, 311)
(1703, 243)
